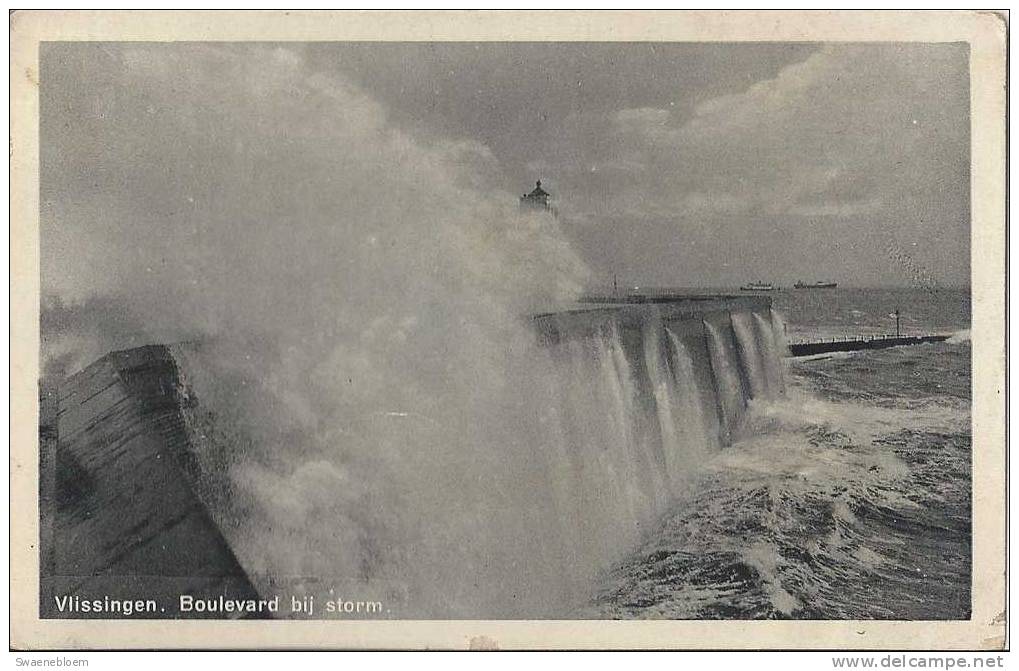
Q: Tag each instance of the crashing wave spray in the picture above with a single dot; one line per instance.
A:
(549, 503)
(631, 418)
(610, 481)
(370, 411)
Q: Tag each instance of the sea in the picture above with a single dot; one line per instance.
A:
(849, 497)
(505, 479)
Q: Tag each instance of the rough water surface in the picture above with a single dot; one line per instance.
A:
(849, 498)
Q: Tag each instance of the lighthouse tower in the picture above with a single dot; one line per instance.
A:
(536, 200)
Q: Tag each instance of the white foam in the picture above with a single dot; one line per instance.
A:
(959, 337)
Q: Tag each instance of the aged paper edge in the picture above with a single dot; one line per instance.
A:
(984, 31)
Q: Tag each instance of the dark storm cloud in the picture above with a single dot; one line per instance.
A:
(711, 163)
(688, 164)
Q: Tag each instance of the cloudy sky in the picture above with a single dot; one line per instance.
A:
(672, 164)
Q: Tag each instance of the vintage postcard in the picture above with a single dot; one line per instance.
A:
(508, 330)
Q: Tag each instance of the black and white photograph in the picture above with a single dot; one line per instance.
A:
(507, 330)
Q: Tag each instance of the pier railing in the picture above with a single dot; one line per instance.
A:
(860, 342)
(863, 338)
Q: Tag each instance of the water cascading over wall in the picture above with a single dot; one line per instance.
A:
(640, 395)
(691, 365)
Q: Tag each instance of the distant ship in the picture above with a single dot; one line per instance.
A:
(815, 285)
(757, 286)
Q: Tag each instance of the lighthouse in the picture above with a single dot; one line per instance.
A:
(536, 200)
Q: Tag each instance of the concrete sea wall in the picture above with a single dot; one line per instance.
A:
(122, 517)
(119, 516)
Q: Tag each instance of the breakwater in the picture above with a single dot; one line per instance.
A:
(860, 343)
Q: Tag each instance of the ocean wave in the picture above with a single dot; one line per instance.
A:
(821, 509)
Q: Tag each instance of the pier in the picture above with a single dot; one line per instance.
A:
(855, 343)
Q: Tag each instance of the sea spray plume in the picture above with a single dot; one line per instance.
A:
(369, 407)
(374, 391)
(74, 334)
